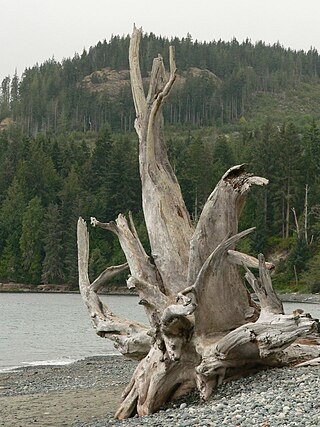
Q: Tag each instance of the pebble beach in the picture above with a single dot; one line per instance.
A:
(84, 391)
(86, 394)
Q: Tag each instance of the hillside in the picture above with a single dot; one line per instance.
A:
(112, 82)
(220, 82)
(68, 148)
(299, 103)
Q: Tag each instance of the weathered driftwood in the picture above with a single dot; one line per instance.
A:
(204, 326)
(131, 338)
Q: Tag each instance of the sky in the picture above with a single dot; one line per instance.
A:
(32, 31)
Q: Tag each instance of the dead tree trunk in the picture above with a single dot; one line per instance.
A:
(204, 326)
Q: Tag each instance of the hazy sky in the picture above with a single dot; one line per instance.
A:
(35, 30)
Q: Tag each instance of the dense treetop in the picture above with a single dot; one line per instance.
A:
(67, 148)
(56, 96)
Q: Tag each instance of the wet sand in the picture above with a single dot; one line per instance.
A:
(66, 395)
(87, 391)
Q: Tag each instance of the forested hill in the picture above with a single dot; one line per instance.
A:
(67, 148)
(221, 82)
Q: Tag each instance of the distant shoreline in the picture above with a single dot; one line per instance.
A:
(305, 298)
(123, 290)
(20, 288)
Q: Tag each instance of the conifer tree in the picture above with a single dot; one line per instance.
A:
(31, 240)
(71, 198)
(53, 264)
(11, 214)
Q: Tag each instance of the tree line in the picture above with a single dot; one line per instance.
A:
(52, 97)
(71, 150)
(46, 182)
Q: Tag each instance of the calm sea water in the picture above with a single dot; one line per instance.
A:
(56, 328)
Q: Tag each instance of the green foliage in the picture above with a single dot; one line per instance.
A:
(311, 274)
(194, 172)
(47, 182)
(53, 263)
(31, 240)
(97, 263)
(123, 182)
(11, 215)
(315, 288)
(223, 157)
(223, 83)
(298, 257)
(72, 151)
(10, 268)
(72, 205)
(37, 173)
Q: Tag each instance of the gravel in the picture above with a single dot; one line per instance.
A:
(273, 398)
(95, 372)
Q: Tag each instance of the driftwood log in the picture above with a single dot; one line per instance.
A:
(204, 326)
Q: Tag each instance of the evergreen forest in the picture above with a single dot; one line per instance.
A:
(68, 148)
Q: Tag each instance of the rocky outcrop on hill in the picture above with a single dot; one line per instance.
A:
(113, 82)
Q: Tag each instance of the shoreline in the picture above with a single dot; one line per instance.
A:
(286, 297)
(305, 298)
(63, 395)
(18, 288)
(25, 366)
(87, 393)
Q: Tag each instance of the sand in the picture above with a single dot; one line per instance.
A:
(66, 395)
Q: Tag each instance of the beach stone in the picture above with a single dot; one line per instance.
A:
(268, 400)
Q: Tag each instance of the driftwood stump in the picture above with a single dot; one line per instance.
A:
(204, 326)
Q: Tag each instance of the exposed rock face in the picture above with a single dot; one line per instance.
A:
(5, 123)
(107, 80)
(112, 82)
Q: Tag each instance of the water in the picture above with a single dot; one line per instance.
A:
(313, 309)
(54, 328)
(47, 329)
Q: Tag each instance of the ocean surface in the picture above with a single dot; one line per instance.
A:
(47, 329)
(44, 329)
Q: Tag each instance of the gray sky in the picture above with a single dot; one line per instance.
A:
(35, 30)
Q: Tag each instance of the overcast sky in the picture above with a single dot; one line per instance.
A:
(35, 30)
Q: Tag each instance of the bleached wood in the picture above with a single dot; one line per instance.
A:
(240, 258)
(205, 328)
(136, 79)
(269, 301)
(167, 219)
(220, 215)
(135, 342)
(312, 362)
(155, 379)
(218, 220)
(138, 260)
(106, 275)
(254, 343)
(143, 272)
